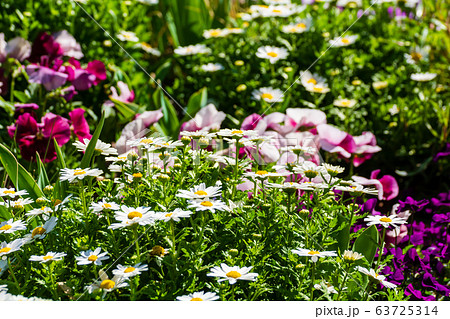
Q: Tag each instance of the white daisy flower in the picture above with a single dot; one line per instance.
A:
(44, 211)
(385, 221)
(127, 36)
(344, 103)
(72, 175)
(18, 203)
(207, 204)
(326, 288)
(343, 41)
(11, 192)
(232, 274)
(50, 256)
(145, 142)
(333, 170)
(236, 133)
(106, 284)
(92, 257)
(12, 226)
(148, 48)
(212, 67)
(318, 88)
(350, 3)
(299, 27)
(174, 215)
(307, 78)
(268, 94)
(299, 149)
(41, 231)
(273, 54)
(281, 11)
(200, 191)
(379, 85)
(199, 296)
(314, 254)
(374, 275)
(198, 134)
(129, 271)
(104, 205)
(351, 256)
(8, 248)
(192, 50)
(423, 77)
(416, 55)
(215, 33)
(121, 158)
(355, 188)
(310, 169)
(100, 147)
(235, 30)
(262, 174)
(129, 216)
(3, 287)
(164, 145)
(275, 2)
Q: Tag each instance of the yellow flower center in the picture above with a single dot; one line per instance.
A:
(79, 172)
(237, 132)
(215, 33)
(134, 215)
(276, 11)
(147, 141)
(385, 220)
(106, 205)
(137, 175)
(98, 150)
(196, 299)
(43, 208)
(206, 203)
(301, 25)
(345, 103)
(201, 193)
(261, 173)
(5, 250)
(267, 96)
(313, 252)
(47, 257)
(9, 192)
(157, 251)
(129, 269)
(107, 284)
(6, 227)
(168, 215)
(92, 258)
(57, 202)
(318, 89)
(345, 40)
(272, 54)
(233, 274)
(416, 56)
(292, 29)
(312, 80)
(146, 45)
(38, 231)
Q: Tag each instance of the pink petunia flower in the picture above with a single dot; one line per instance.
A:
(208, 118)
(68, 44)
(49, 78)
(79, 124)
(334, 140)
(126, 95)
(387, 186)
(366, 146)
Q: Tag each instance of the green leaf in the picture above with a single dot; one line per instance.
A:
(42, 180)
(19, 175)
(169, 122)
(5, 214)
(343, 234)
(367, 243)
(163, 70)
(195, 103)
(60, 187)
(86, 160)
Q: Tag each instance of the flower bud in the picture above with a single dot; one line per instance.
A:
(239, 63)
(132, 156)
(233, 252)
(41, 201)
(48, 190)
(241, 87)
(186, 140)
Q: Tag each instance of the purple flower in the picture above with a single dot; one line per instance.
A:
(443, 154)
(416, 295)
(431, 282)
(412, 204)
(45, 45)
(25, 108)
(442, 218)
(49, 78)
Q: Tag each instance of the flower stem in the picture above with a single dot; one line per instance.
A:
(52, 280)
(14, 276)
(136, 241)
(313, 277)
(381, 249)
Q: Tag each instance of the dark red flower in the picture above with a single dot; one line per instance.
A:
(79, 124)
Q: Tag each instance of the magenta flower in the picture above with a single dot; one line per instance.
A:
(25, 108)
(366, 146)
(208, 118)
(35, 137)
(305, 119)
(51, 79)
(45, 45)
(84, 79)
(417, 294)
(79, 124)
(444, 153)
(98, 69)
(334, 140)
(280, 123)
(387, 186)
(254, 122)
